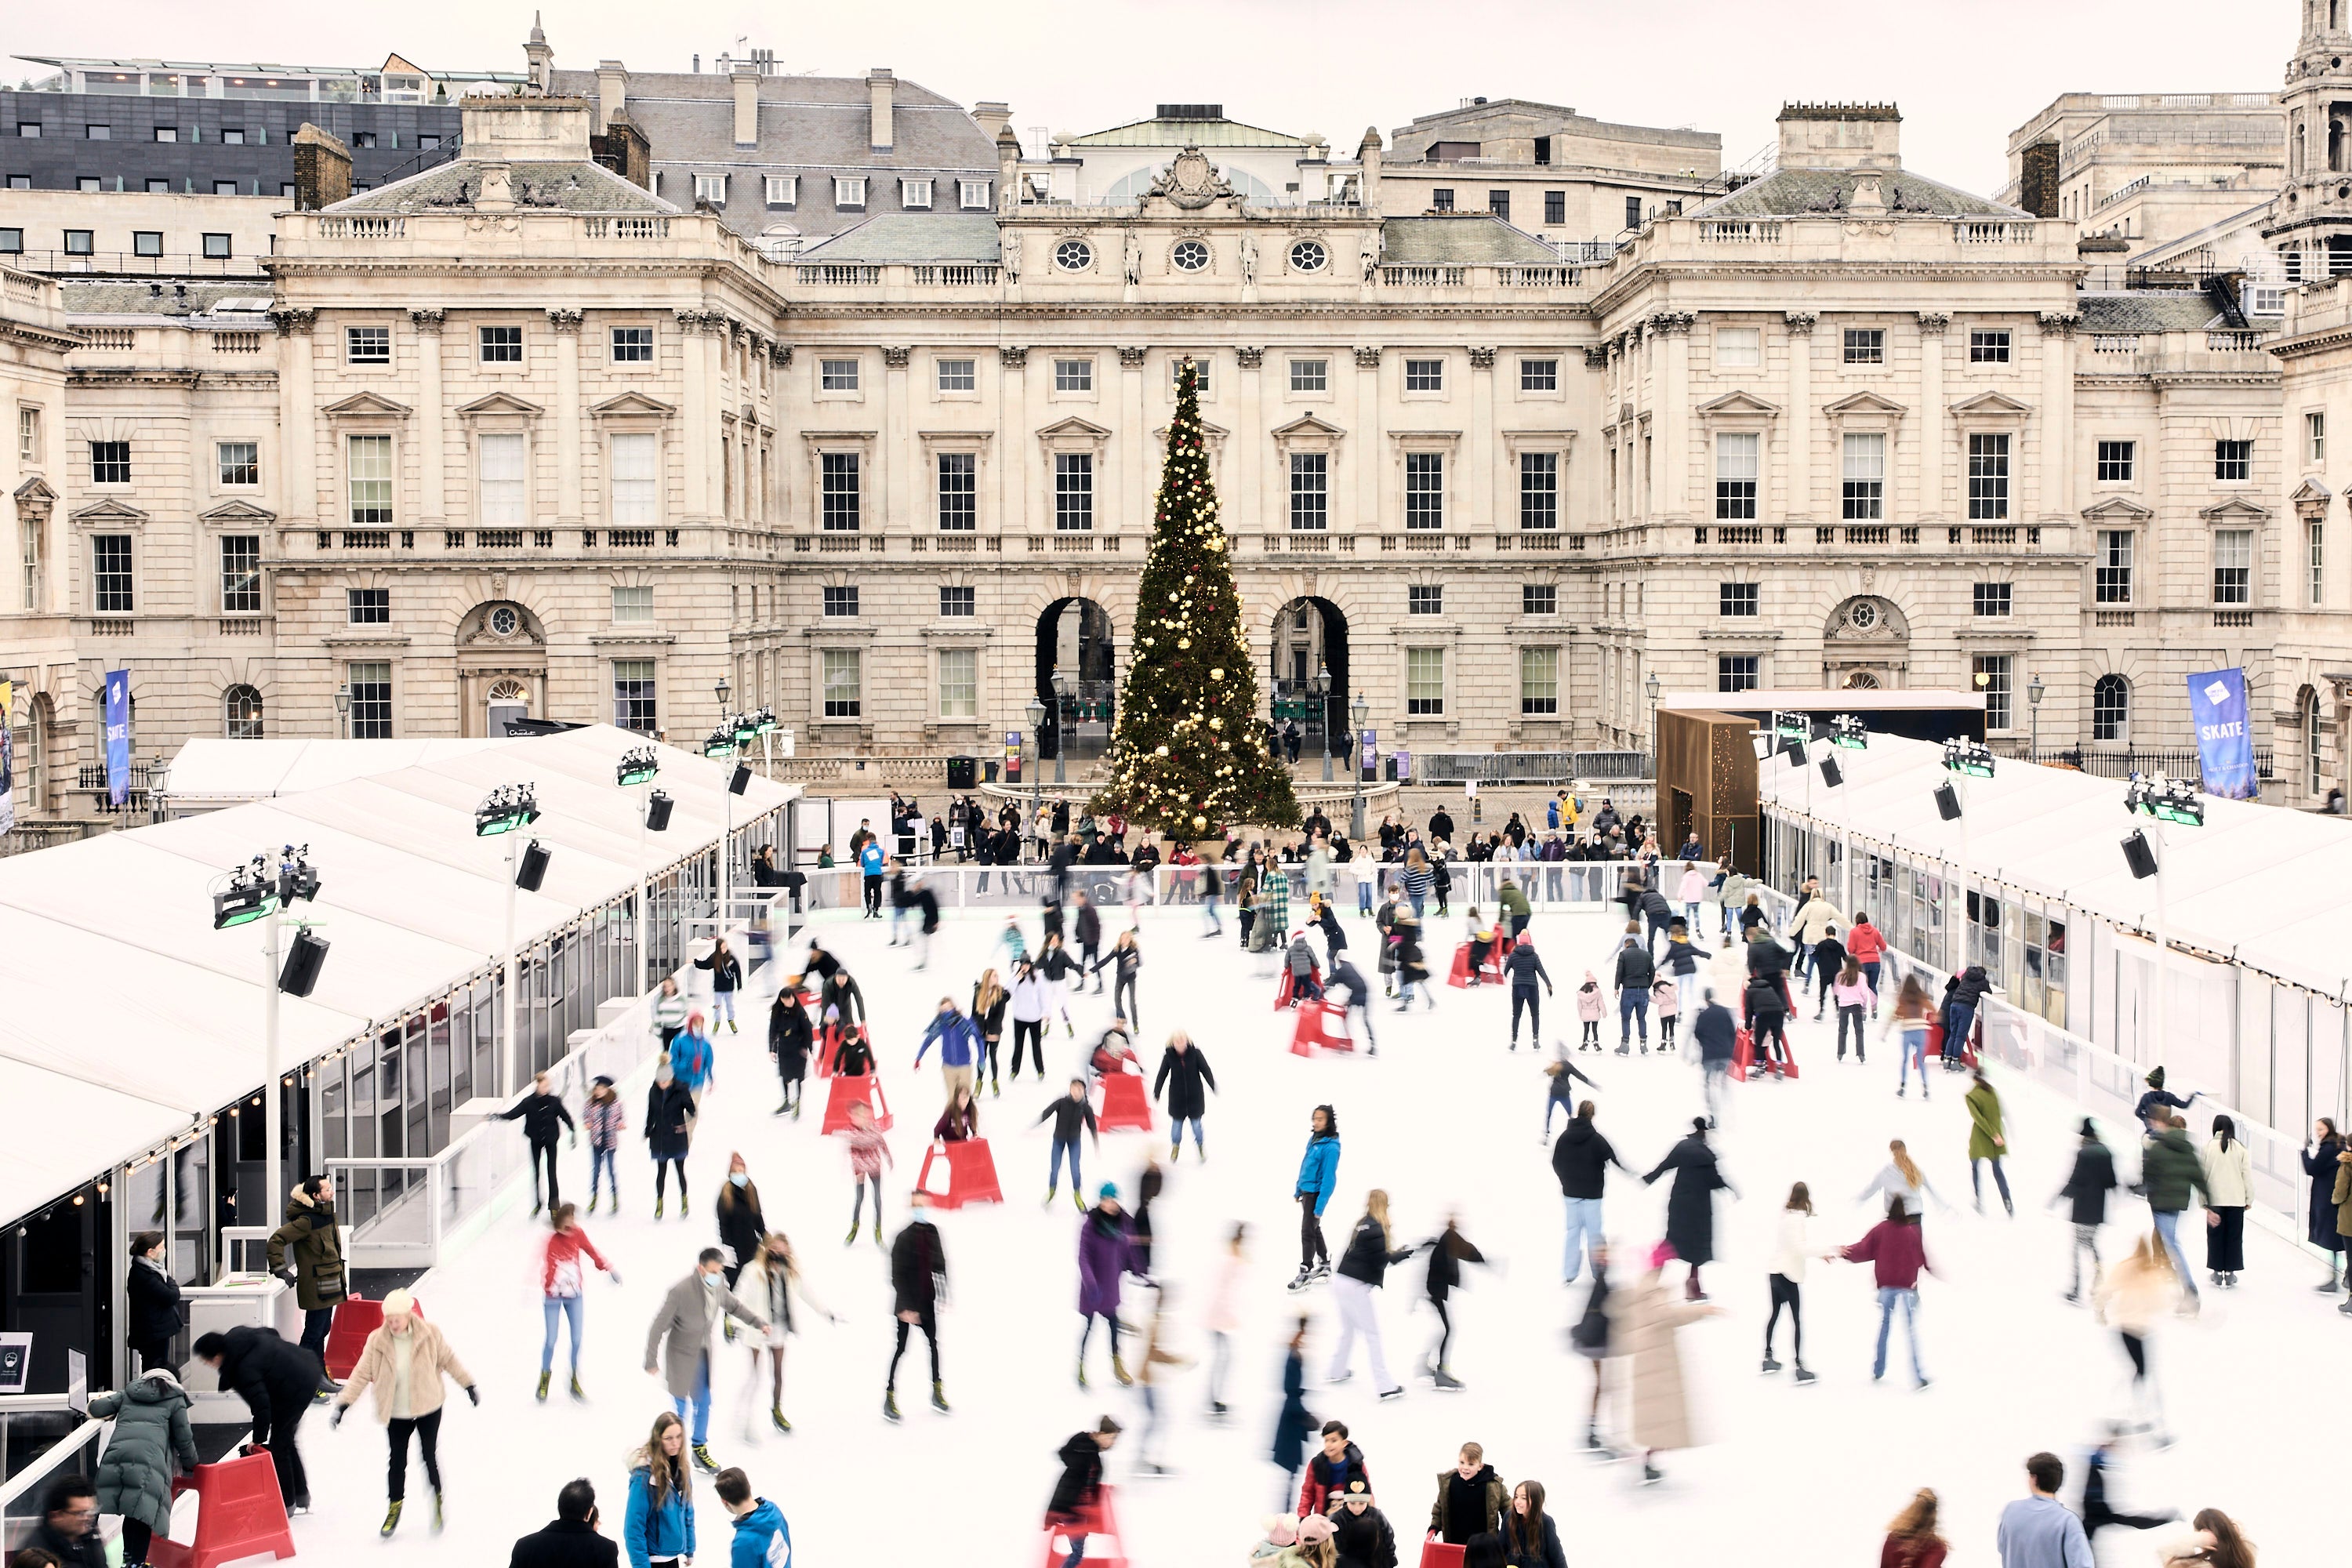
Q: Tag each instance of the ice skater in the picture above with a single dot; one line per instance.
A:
(1897, 1254)
(1581, 1159)
(1124, 961)
(1791, 1246)
(606, 1122)
(1854, 997)
(560, 1279)
(1690, 1207)
(1079, 1490)
(1149, 1381)
(406, 1359)
(1185, 1077)
(1223, 1319)
(1294, 1425)
(669, 1133)
(790, 1038)
(1911, 1011)
(1030, 1000)
(1447, 1253)
(773, 1283)
(1070, 1114)
(1987, 1142)
(2086, 1189)
(989, 1001)
(1564, 1075)
(1364, 1268)
(726, 978)
(1525, 971)
(1318, 1173)
(1635, 971)
(868, 1153)
(918, 1285)
(677, 1344)
(1412, 969)
(1642, 1319)
(1590, 1005)
(2140, 1291)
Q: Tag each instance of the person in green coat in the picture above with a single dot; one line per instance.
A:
(134, 1477)
(307, 1252)
(1987, 1142)
(1512, 900)
(2170, 1171)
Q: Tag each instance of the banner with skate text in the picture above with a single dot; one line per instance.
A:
(2225, 741)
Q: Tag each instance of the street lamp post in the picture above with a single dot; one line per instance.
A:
(2034, 689)
(1359, 711)
(1321, 685)
(344, 711)
(1651, 687)
(1061, 719)
(1037, 774)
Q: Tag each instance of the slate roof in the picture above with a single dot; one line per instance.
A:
(912, 236)
(816, 124)
(250, 294)
(2150, 311)
(1474, 238)
(1188, 133)
(1794, 193)
(572, 187)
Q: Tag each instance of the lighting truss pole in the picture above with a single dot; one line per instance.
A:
(509, 809)
(1963, 759)
(2164, 800)
(255, 891)
(641, 767)
(1845, 733)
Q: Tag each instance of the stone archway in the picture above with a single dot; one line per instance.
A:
(1074, 639)
(502, 664)
(1866, 644)
(1309, 639)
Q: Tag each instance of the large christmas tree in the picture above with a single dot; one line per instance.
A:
(1191, 756)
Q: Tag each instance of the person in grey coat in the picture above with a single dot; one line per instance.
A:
(134, 1478)
(685, 1321)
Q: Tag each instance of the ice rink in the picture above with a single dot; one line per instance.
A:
(1447, 1120)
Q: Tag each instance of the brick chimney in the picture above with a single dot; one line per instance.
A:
(611, 90)
(1008, 169)
(991, 118)
(1841, 136)
(622, 148)
(747, 106)
(2037, 181)
(322, 169)
(882, 85)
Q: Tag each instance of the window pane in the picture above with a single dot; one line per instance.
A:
(632, 606)
(370, 687)
(371, 479)
(501, 345)
(501, 483)
(1865, 476)
(840, 494)
(633, 688)
(635, 502)
(633, 345)
(958, 491)
(1992, 673)
(2112, 577)
(1309, 492)
(111, 574)
(240, 463)
(959, 683)
(1738, 347)
(1310, 374)
(1735, 673)
(109, 462)
(1539, 375)
(1737, 459)
(367, 345)
(1424, 678)
(957, 375)
(2116, 461)
(240, 573)
(1425, 490)
(1539, 490)
(837, 375)
(1988, 476)
(2233, 561)
(2110, 708)
(1424, 376)
(241, 713)
(959, 602)
(1538, 681)
(1538, 599)
(1073, 491)
(1074, 375)
(841, 669)
(368, 606)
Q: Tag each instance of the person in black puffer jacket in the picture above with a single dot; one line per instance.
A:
(2086, 1189)
(156, 1318)
(1524, 970)
(1581, 1159)
(1447, 1254)
(1362, 1269)
(1362, 1531)
(1635, 971)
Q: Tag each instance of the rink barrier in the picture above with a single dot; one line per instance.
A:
(239, 1515)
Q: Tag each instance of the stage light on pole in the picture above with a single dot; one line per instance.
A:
(1971, 759)
(254, 891)
(1847, 731)
(642, 766)
(509, 807)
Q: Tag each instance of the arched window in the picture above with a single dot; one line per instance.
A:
(241, 713)
(2111, 708)
(2312, 783)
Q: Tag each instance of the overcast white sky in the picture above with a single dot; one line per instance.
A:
(1964, 73)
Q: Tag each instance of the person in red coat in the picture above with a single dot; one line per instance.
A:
(1897, 1254)
(1328, 1472)
(1911, 1537)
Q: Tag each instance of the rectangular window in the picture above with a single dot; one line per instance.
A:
(635, 500)
(1074, 375)
(632, 606)
(1735, 673)
(850, 193)
(2233, 566)
(1555, 208)
(167, 133)
(633, 345)
(1988, 476)
(840, 602)
(1989, 345)
(1310, 376)
(240, 462)
(234, 136)
(1991, 674)
(147, 242)
(1738, 347)
(1425, 681)
(837, 376)
(109, 555)
(958, 375)
(240, 573)
(501, 345)
(218, 247)
(958, 603)
(783, 190)
(2315, 439)
(2233, 460)
(1203, 365)
(1441, 200)
(364, 140)
(12, 240)
(1866, 476)
(367, 606)
(370, 687)
(634, 707)
(1993, 599)
(711, 188)
(1311, 490)
(2117, 459)
(972, 194)
(915, 195)
(109, 462)
(1736, 599)
(1073, 491)
(838, 490)
(158, 188)
(28, 435)
(843, 670)
(1736, 456)
(502, 497)
(80, 241)
(1425, 599)
(368, 459)
(1499, 204)
(1539, 681)
(29, 129)
(1424, 376)
(367, 345)
(2315, 540)
(2111, 576)
(1425, 490)
(1539, 375)
(98, 132)
(83, 183)
(1866, 345)
(1632, 212)
(959, 492)
(1538, 599)
(228, 188)
(1539, 490)
(959, 683)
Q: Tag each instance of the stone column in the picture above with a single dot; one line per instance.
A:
(1673, 404)
(1799, 455)
(569, 459)
(2052, 497)
(1014, 464)
(1367, 515)
(1137, 478)
(900, 460)
(1935, 450)
(1249, 440)
(700, 421)
(1483, 479)
(432, 423)
(299, 452)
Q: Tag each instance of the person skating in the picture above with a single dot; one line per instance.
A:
(1031, 999)
(1791, 1246)
(1319, 1174)
(1563, 1075)
(1184, 1073)
(1086, 929)
(1384, 921)
(1412, 970)
(307, 1252)
(1299, 959)
(150, 1438)
(1329, 1472)
(1910, 1014)
(1481, 936)
(276, 1381)
(1581, 1159)
(605, 1122)
(741, 1225)
(1690, 1207)
(870, 1151)
(1363, 1534)
(1147, 1186)
(1665, 1001)
(1962, 998)
(669, 1131)
(1590, 1007)
(726, 978)
(2138, 1294)
(960, 1123)
(1988, 1143)
(1156, 1354)
(404, 1361)
(657, 1532)
(2319, 1220)
(1635, 969)
(918, 1285)
(853, 1053)
(762, 1538)
(960, 1044)
(1447, 1253)
(1767, 998)
(1054, 966)
(1588, 1336)
(2098, 1512)
(1224, 1318)
(1070, 1115)
(1294, 1425)
(989, 1001)
(1681, 964)
(2229, 1188)
(1911, 1537)
(872, 862)
(2086, 1189)
(670, 1009)
(678, 1342)
(791, 1037)
(1525, 970)
(1470, 1499)
(692, 1056)
(1717, 1034)
(2168, 1172)
(1078, 1489)
(1643, 1321)
(1828, 960)
(1901, 1177)
(1105, 1237)
(1364, 1268)
(2037, 1530)
(773, 1283)
(1346, 976)
(562, 1282)
(1897, 1254)
(1852, 994)
(543, 1116)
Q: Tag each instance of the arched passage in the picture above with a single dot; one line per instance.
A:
(1310, 640)
(1074, 639)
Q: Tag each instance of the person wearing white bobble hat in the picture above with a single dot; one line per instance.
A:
(406, 1359)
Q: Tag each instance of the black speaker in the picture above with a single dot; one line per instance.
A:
(1948, 802)
(303, 962)
(1796, 750)
(2139, 855)
(657, 812)
(741, 780)
(531, 870)
(962, 771)
(1832, 774)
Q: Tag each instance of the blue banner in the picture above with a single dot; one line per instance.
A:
(2225, 741)
(118, 735)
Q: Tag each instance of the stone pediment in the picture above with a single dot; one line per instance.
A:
(1306, 425)
(1990, 403)
(363, 404)
(35, 492)
(1071, 428)
(2237, 508)
(2116, 509)
(1740, 403)
(629, 402)
(501, 403)
(108, 510)
(2310, 496)
(237, 511)
(1865, 402)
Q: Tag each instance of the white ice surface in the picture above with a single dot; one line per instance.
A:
(1445, 1119)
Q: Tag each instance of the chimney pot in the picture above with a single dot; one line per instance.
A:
(882, 85)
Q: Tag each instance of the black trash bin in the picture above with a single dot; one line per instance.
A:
(962, 771)
(989, 770)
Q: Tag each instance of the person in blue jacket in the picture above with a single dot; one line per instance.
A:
(762, 1539)
(1319, 1174)
(870, 863)
(960, 1045)
(2157, 1100)
(660, 1527)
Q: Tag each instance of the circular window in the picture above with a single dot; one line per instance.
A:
(1190, 256)
(1862, 680)
(1862, 617)
(504, 622)
(1308, 255)
(1074, 256)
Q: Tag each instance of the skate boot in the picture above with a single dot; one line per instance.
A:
(592, 1202)
(1082, 1375)
(890, 1405)
(683, 1209)
(776, 1417)
(391, 1522)
(1770, 1366)
(658, 1208)
(877, 1232)
(1118, 1371)
(1803, 1376)
(703, 1460)
(439, 1517)
(1301, 1281)
(541, 1395)
(854, 1229)
(578, 1393)
(940, 1397)
(1446, 1380)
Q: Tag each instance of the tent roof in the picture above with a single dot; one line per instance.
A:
(131, 1018)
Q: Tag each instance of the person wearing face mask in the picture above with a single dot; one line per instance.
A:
(406, 1359)
(678, 1343)
(741, 1223)
(669, 1129)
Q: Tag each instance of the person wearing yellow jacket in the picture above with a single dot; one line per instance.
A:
(405, 1361)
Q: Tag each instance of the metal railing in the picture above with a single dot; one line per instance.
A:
(1528, 767)
(1547, 883)
(128, 264)
(2122, 764)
